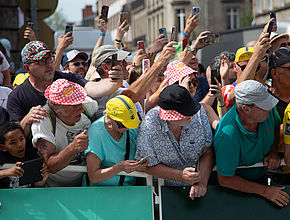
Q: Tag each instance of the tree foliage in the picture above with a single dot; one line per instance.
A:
(56, 21)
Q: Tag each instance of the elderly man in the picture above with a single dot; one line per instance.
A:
(248, 134)
(278, 41)
(113, 144)
(75, 62)
(38, 61)
(61, 138)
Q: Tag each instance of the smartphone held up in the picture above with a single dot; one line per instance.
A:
(104, 13)
(68, 28)
(141, 45)
(212, 38)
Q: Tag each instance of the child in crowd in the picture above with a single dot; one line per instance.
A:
(13, 150)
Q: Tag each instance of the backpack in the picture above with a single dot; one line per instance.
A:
(52, 117)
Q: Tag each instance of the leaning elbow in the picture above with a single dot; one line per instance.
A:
(222, 180)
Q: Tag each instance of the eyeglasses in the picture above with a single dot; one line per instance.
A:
(79, 63)
(44, 61)
(120, 125)
(285, 67)
(194, 82)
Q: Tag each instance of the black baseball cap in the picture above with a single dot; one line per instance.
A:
(178, 98)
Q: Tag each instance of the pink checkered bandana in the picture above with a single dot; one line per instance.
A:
(177, 70)
(63, 92)
(170, 115)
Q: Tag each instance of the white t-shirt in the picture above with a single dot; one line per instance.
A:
(3, 67)
(4, 92)
(64, 135)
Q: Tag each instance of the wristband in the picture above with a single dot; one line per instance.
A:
(119, 41)
(102, 34)
(185, 35)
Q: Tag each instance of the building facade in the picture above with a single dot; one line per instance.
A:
(147, 16)
(262, 9)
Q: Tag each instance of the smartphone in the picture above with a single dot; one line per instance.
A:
(141, 45)
(212, 38)
(270, 27)
(145, 65)
(32, 172)
(195, 10)
(172, 37)
(114, 59)
(184, 43)
(104, 13)
(69, 28)
(213, 75)
(144, 159)
(273, 15)
(163, 31)
(124, 16)
(30, 24)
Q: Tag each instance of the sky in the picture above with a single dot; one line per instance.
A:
(72, 9)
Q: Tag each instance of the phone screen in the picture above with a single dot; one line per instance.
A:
(68, 28)
(104, 12)
(163, 31)
(212, 38)
(195, 10)
(124, 16)
(145, 65)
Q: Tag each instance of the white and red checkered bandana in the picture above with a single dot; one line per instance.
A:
(177, 70)
(63, 92)
(170, 115)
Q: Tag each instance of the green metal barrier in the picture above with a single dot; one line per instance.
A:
(219, 203)
(100, 203)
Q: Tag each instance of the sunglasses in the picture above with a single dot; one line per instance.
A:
(194, 82)
(120, 125)
(79, 63)
(243, 67)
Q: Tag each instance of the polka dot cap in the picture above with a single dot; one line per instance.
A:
(63, 92)
(176, 70)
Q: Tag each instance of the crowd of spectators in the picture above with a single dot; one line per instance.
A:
(173, 120)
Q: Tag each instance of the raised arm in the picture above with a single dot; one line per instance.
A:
(123, 27)
(63, 42)
(139, 88)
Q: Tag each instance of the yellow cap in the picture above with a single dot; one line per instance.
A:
(244, 54)
(19, 79)
(122, 109)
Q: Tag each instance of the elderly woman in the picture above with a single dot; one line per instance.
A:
(177, 137)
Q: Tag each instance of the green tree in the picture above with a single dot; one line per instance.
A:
(246, 18)
(56, 21)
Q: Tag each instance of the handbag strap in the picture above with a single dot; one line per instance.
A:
(122, 178)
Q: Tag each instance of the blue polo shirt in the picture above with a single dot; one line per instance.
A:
(235, 146)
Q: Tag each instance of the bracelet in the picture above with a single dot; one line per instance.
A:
(222, 105)
(102, 34)
(119, 41)
(185, 35)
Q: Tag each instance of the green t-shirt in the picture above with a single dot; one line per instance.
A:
(109, 150)
(235, 146)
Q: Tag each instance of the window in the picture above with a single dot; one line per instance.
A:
(233, 20)
(281, 3)
(269, 5)
(259, 6)
(180, 21)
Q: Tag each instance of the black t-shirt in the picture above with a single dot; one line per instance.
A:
(5, 157)
(3, 115)
(21, 100)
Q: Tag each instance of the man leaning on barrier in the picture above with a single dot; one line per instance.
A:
(247, 134)
(61, 137)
